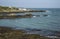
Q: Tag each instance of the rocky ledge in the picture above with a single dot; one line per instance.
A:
(18, 16)
(10, 33)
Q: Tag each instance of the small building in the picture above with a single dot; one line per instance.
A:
(23, 9)
(20, 8)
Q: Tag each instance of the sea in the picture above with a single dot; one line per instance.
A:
(46, 24)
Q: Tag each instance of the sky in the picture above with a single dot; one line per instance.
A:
(31, 3)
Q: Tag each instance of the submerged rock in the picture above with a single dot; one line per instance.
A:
(45, 15)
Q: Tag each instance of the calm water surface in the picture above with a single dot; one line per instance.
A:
(50, 22)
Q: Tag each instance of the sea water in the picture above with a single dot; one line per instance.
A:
(48, 24)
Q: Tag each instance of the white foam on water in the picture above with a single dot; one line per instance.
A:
(52, 36)
(34, 16)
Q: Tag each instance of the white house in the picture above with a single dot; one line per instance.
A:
(23, 9)
(20, 8)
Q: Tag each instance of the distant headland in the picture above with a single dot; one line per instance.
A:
(17, 10)
(10, 12)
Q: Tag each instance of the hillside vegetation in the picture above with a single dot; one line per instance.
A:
(5, 8)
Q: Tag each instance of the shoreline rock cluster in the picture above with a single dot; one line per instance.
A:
(9, 33)
(12, 16)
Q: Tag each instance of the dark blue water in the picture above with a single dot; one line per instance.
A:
(48, 24)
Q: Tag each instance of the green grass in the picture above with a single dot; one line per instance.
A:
(5, 8)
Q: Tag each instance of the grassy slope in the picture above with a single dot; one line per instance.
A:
(7, 9)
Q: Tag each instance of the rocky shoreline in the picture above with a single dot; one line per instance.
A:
(12, 16)
(10, 33)
(8, 12)
(6, 9)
